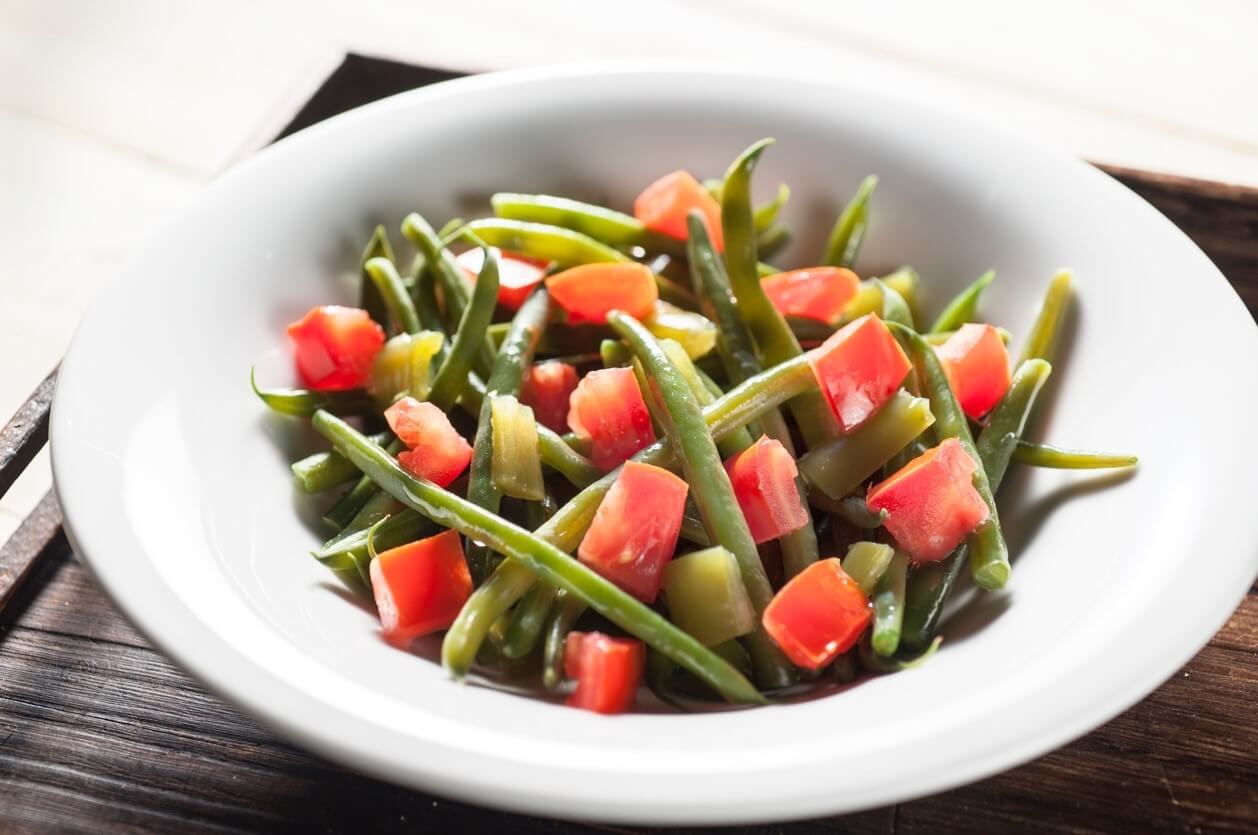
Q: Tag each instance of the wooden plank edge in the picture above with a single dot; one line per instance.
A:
(26, 432)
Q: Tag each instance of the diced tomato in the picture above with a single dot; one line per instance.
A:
(817, 616)
(818, 293)
(336, 347)
(437, 450)
(977, 364)
(607, 409)
(858, 369)
(664, 204)
(931, 502)
(608, 671)
(634, 532)
(518, 275)
(763, 476)
(547, 388)
(589, 292)
(421, 586)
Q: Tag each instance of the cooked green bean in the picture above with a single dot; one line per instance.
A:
(528, 620)
(907, 283)
(876, 663)
(888, 600)
(1041, 343)
(851, 509)
(369, 298)
(929, 585)
(451, 378)
(773, 241)
(513, 360)
(894, 307)
(606, 226)
(396, 297)
(325, 470)
(964, 306)
(567, 610)
(540, 556)
(849, 230)
(1056, 458)
(943, 336)
(772, 335)
(299, 402)
(765, 215)
(709, 485)
(735, 344)
(349, 551)
(988, 554)
(866, 562)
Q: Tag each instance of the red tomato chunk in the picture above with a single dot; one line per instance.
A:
(518, 275)
(977, 365)
(819, 615)
(635, 529)
(858, 369)
(607, 409)
(420, 587)
(336, 347)
(437, 450)
(547, 389)
(589, 292)
(763, 476)
(931, 502)
(664, 204)
(608, 671)
(818, 293)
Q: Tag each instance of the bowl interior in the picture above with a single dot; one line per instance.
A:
(208, 538)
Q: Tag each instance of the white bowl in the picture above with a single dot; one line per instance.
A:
(175, 485)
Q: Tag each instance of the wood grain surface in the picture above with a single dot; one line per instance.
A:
(99, 733)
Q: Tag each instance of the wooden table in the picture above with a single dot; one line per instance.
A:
(100, 733)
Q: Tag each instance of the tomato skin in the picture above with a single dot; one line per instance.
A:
(931, 502)
(607, 409)
(336, 347)
(818, 293)
(518, 275)
(635, 529)
(421, 586)
(589, 292)
(437, 451)
(763, 476)
(547, 388)
(665, 203)
(608, 671)
(817, 616)
(858, 369)
(976, 363)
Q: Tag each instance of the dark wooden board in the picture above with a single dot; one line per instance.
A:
(99, 733)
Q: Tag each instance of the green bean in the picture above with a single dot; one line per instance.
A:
(737, 441)
(396, 297)
(929, 585)
(451, 378)
(540, 556)
(866, 562)
(851, 509)
(849, 230)
(298, 402)
(424, 295)
(709, 484)
(888, 600)
(943, 336)
(1043, 455)
(988, 554)
(769, 330)
(742, 405)
(606, 226)
(766, 214)
(567, 610)
(1041, 343)
(456, 286)
(325, 470)
(528, 620)
(894, 307)
(565, 460)
(876, 663)
(964, 306)
(773, 241)
(735, 344)
(346, 508)
(349, 550)
(369, 298)
(513, 360)
(907, 283)
(998, 440)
